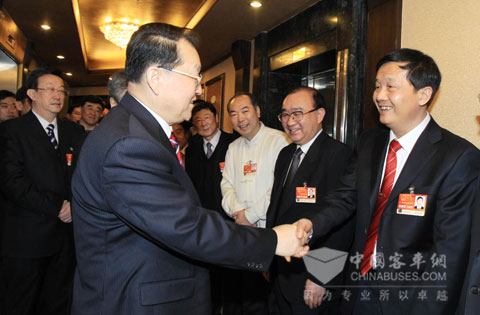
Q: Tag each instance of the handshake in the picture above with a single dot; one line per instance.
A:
(292, 239)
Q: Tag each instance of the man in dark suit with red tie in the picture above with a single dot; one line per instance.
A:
(36, 164)
(405, 260)
(139, 227)
(297, 189)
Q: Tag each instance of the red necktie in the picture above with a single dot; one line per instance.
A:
(382, 198)
(174, 143)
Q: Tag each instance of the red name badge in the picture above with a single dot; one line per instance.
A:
(69, 159)
(306, 194)
(222, 166)
(249, 168)
(412, 204)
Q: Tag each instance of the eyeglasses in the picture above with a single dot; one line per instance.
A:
(198, 78)
(296, 115)
(199, 120)
(52, 91)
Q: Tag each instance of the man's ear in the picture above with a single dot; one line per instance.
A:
(257, 110)
(32, 94)
(154, 77)
(424, 95)
(320, 114)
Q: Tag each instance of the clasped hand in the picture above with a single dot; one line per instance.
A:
(292, 239)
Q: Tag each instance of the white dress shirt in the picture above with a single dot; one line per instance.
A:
(251, 191)
(407, 142)
(45, 123)
(214, 141)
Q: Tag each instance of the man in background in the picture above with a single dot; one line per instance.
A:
(117, 87)
(36, 164)
(92, 109)
(247, 185)
(74, 113)
(182, 136)
(8, 109)
(23, 101)
(205, 160)
(305, 171)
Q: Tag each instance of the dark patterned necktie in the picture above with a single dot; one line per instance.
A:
(293, 166)
(209, 150)
(51, 135)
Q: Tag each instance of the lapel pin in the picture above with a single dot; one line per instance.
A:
(411, 189)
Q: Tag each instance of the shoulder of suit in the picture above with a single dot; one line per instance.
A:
(456, 141)
(70, 125)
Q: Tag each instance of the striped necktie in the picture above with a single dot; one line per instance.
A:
(51, 135)
(384, 194)
(175, 146)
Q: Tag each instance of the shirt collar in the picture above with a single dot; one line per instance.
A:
(305, 147)
(214, 141)
(165, 127)
(43, 122)
(408, 140)
(257, 136)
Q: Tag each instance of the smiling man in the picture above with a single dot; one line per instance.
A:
(247, 185)
(91, 110)
(140, 230)
(205, 160)
(416, 257)
(305, 171)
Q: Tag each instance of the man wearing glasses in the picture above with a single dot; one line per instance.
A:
(140, 231)
(305, 171)
(36, 163)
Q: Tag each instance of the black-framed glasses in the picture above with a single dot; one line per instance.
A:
(52, 91)
(196, 77)
(296, 115)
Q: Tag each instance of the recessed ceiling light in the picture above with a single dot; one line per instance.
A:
(256, 4)
(45, 27)
(69, 74)
(60, 57)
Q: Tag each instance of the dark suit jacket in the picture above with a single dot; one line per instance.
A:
(321, 167)
(205, 173)
(470, 299)
(139, 227)
(442, 166)
(36, 181)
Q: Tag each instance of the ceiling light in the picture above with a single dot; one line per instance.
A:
(60, 57)
(118, 33)
(45, 27)
(69, 74)
(256, 4)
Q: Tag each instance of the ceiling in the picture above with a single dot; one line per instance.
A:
(91, 58)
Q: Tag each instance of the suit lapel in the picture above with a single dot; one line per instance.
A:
(278, 194)
(422, 153)
(37, 132)
(303, 173)
(376, 172)
(148, 121)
